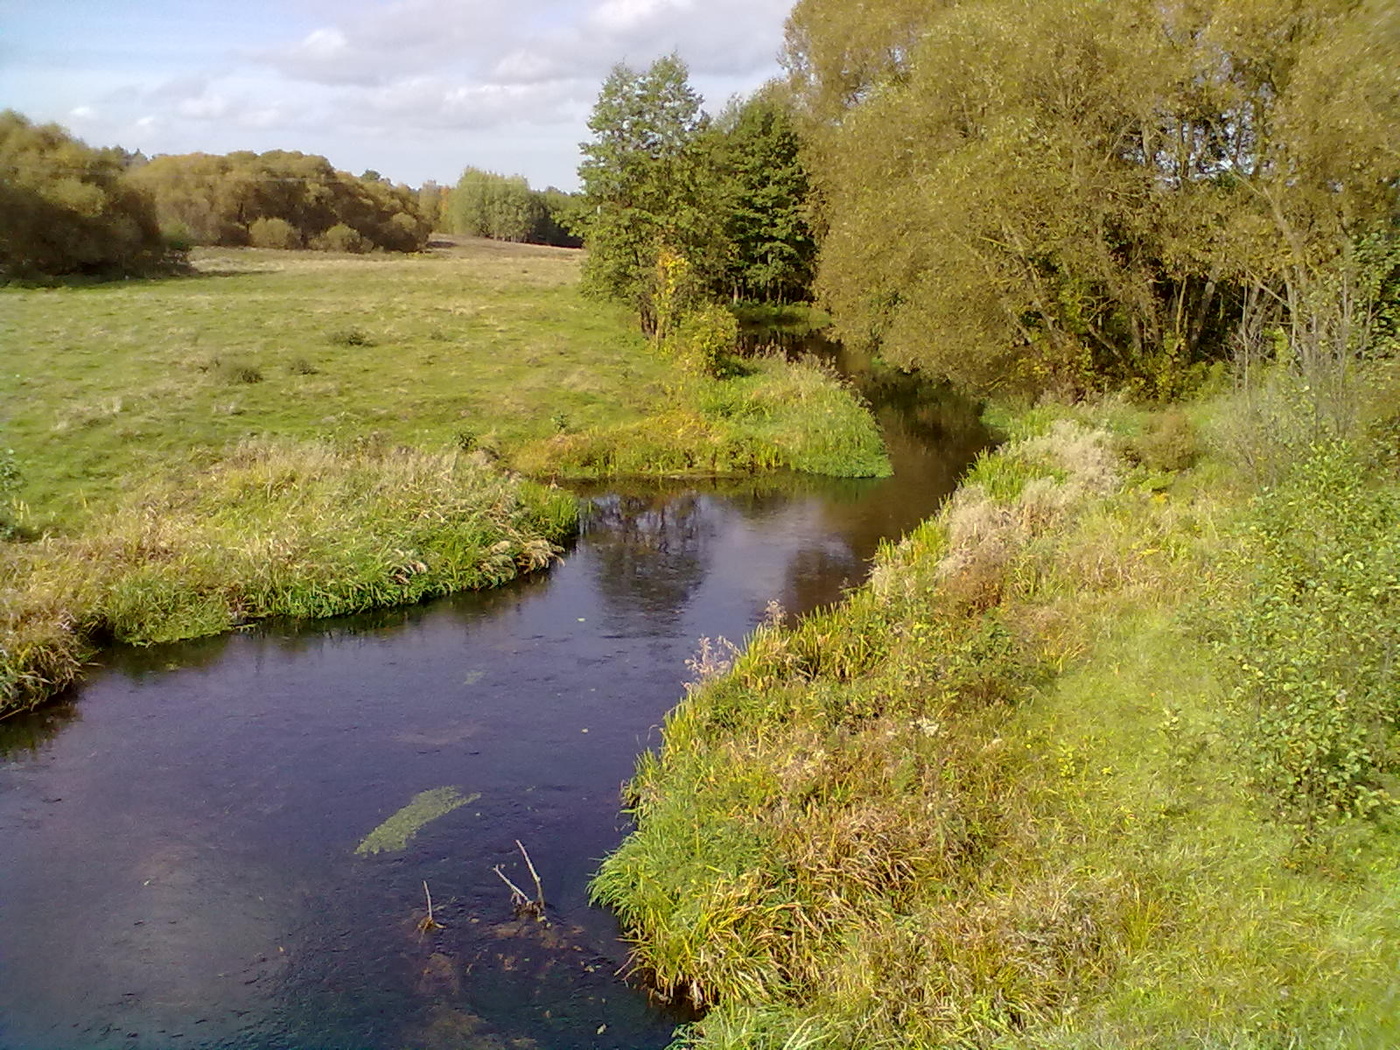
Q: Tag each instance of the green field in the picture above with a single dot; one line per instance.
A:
(483, 340)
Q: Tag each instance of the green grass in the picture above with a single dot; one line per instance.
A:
(778, 414)
(1007, 796)
(483, 345)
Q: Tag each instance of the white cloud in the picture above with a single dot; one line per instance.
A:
(205, 107)
(628, 16)
(469, 80)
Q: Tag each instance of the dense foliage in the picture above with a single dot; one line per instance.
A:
(280, 200)
(66, 208)
(504, 208)
(678, 209)
(1074, 192)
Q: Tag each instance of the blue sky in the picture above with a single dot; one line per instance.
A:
(416, 89)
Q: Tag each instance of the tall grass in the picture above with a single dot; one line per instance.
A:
(1003, 796)
(273, 529)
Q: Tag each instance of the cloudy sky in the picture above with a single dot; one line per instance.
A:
(416, 89)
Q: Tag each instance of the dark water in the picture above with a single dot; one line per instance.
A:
(178, 838)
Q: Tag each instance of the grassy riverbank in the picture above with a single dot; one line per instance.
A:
(269, 530)
(292, 433)
(1103, 757)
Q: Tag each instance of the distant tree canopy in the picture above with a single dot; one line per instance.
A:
(1016, 194)
(280, 199)
(504, 208)
(66, 208)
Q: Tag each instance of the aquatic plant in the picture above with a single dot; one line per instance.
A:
(393, 834)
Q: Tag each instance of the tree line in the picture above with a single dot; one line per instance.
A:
(1060, 194)
(279, 199)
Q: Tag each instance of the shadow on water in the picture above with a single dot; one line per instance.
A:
(181, 834)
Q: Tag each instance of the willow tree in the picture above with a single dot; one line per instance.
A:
(1024, 193)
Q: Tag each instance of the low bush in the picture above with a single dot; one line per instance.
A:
(342, 238)
(1314, 636)
(273, 233)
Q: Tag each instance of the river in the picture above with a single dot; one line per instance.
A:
(178, 837)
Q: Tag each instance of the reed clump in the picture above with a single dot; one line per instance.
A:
(1006, 796)
(272, 529)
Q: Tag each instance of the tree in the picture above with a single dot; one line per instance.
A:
(1072, 192)
(221, 199)
(645, 186)
(66, 208)
(766, 191)
(501, 207)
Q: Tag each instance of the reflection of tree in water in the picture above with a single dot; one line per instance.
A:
(33, 729)
(650, 553)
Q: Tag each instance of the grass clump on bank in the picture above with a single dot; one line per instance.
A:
(1102, 757)
(779, 414)
(270, 530)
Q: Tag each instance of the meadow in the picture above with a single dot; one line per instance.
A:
(479, 344)
(296, 433)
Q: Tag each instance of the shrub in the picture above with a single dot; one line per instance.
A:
(702, 338)
(351, 336)
(1172, 444)
(1314, 638)
(10, 479)
(273, 233)
(342, 238)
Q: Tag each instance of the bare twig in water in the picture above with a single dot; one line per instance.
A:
(539, 889)
(427, 924)
(519, 900)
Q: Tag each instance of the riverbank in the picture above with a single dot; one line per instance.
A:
(270, 530)
(1103, 756)
(291, 433)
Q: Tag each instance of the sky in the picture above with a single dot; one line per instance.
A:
(414, 89)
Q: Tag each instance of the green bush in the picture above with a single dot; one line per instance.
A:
(273, 233)
(1314, 638)
(1171, 444)
(342, 238)
(10, 479)
(702, 338)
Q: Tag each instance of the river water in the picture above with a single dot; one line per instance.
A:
(178, 838)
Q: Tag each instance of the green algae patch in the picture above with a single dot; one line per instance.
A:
(393, 835)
